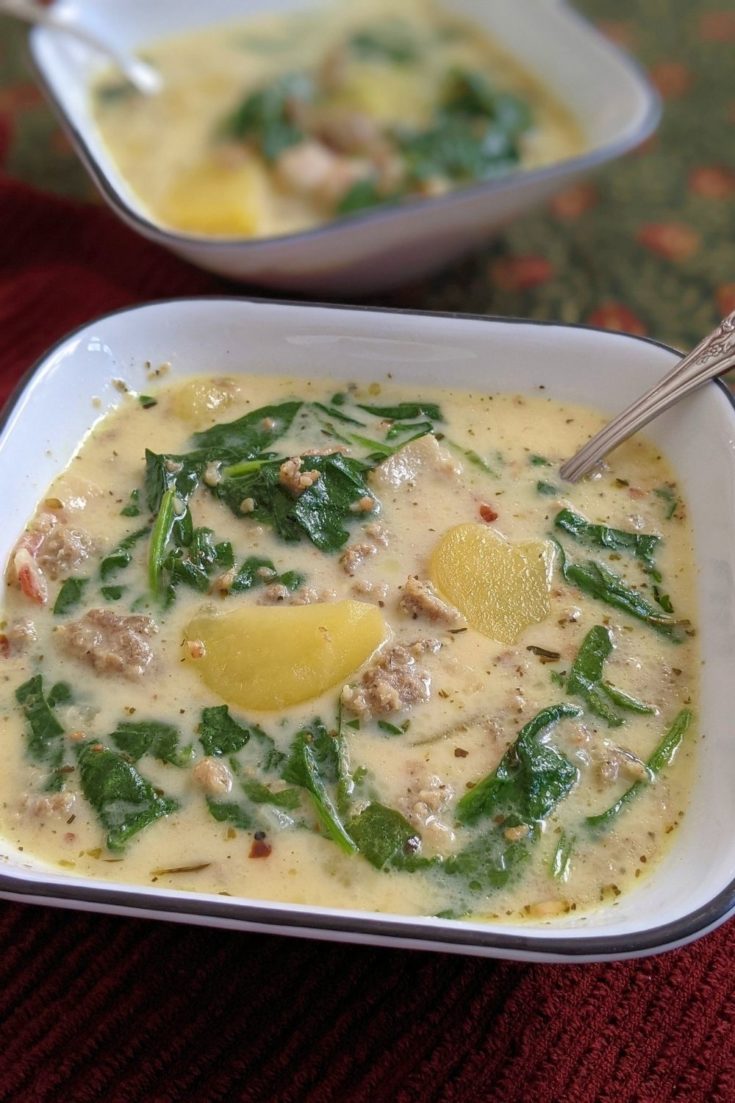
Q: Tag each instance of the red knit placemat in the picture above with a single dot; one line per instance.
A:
(98, 1008)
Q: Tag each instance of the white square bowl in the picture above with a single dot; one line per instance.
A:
(692, 889)
(615, 105)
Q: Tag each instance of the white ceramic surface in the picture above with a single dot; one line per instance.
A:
(693, 889)
(613, 102)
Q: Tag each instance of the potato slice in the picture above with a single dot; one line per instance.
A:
(211, 198)
(270, 657)
(197, 400)
(376, 89)
(501, 588)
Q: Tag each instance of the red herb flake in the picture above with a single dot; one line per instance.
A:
(4, 646)
(487, 512)
(260, 849)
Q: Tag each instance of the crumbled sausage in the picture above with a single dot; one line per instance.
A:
(274, 594)
(420, 599)
(611, 761)
(354, 556)
(277, 593)
(376, 592)
(46, 805)
(366, 504)
(63, 551)
(110, 643)
(425, 800)
(307, 595)
(20, 635)
(213, 776)
(309, 168)
(394, 682)
(377, 533)
(293, 478)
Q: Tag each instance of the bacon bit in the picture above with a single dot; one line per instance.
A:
(76, 736)
(460, 752)
(260, 849)
(636, 492)
(30, 576)
(4, 646)
(487, 512)
(196, 649)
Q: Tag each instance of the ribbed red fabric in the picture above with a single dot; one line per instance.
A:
(96, 1008)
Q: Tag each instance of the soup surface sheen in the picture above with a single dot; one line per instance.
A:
(283, 122)
(353, 646)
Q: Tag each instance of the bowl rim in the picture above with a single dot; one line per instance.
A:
(312, 921)
(567, 167)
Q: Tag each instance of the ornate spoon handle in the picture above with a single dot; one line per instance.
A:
(712, 356)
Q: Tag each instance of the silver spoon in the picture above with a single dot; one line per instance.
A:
(142, 76)
(712, 356)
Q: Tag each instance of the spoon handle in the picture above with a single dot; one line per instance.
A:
(141, 75)
(712, 356)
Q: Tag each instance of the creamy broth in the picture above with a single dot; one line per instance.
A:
(280, 123)
(435, 536)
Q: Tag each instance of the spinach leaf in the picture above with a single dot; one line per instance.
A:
(383, 836)
(405, 411)
(132, 509)
(45, 737)
(319, 512)
(219, 734)
(662, 756)
(472, 457)
(312, 762)
(639, 544)
(561, 859)
(585, 677)
(247, 576)
(547, 489)
(491, 861)
(335, 413)
(69, 596)
(288, 799)
(363, 194)
(391, 41)
(249, 435)
(193, 565)
(160, 536)
(264, 117)
(122, 798)
(166, 474)
(626, 700)
(121, 556)
(469, 94)
(528, 783)
(415, 428)
(230, 812)
(112, 593)
(456, 149)
(668, 496)
(59, 694)
(530, 780)
(600, 582)
(152, 737)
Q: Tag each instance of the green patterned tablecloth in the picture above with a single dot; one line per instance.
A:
(647, 245)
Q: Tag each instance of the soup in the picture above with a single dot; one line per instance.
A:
(351, 646)
(280, 123)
